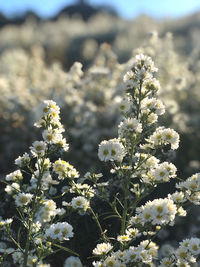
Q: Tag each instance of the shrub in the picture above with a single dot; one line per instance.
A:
(55, 208)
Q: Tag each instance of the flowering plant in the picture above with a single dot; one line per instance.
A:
(48, 191)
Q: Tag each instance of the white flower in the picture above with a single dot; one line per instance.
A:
(52, 136)
(125, 105)
(128, 76)
(62, 142)
(181, 211)
(129, 125)
(164, 136)
(86, 190)
(50, 108)
(64, 169)
(111, 261)
(5, 222)
(111, 150)
(80, 203)
(178, 197)
(123, 238)
(120, 255)
(194, 246)
(46, 211)
(72, 262)
(133, 232)
(38, 148)
(23, 199)
(158, 212)
(17, 257)
(104, 151)
(192, 187)
(97, 264)
(152, 118)
(152, 85)
(141, 69)
(165, 171)
(40, 264)
(61, 231)
(143, 61)
(166, 262)
(36, 226)
(171, 137)
(22, 160)
(150, 246)
(102, 248)
(153, 104)
(161, 174)
(14, 176)
(166, 250)
(13, 188)
(32, 259)
(117, 150)
(182, 253)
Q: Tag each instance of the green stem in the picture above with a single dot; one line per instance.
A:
(140, 99)
(34, 206)
(27, 246)
(123, 222)
(137, 200)
(15, 242)
(99, 225)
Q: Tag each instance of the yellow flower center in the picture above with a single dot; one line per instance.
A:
(45, 110)
(183, 254)
(162, 173)
(105, 152)
(159, 209)
(110, 263)
(159, 136)
(39, 147)
(78, 202)
(64, 232)
(168, 136)
(49, 137)
(113, 152)
(147, 216)
(194, 247)
(23, 199)
(56, 231)
(124, 237)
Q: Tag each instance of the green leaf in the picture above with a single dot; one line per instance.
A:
(66, 249)
(116, 198)
(111, 216)
(19, 234)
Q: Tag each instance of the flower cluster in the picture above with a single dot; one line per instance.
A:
(60, 231)
(52, 133)
(102, 248)
(144, 253)
(191, 188)
(51, 199)
(139, 171)
(156, 212)
(90, 103)
(111, 150)
(150, 171)
(64, 169)
(164, 136)
(186, 254)
(32, 186)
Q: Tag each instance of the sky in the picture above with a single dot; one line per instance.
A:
(126, 8)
